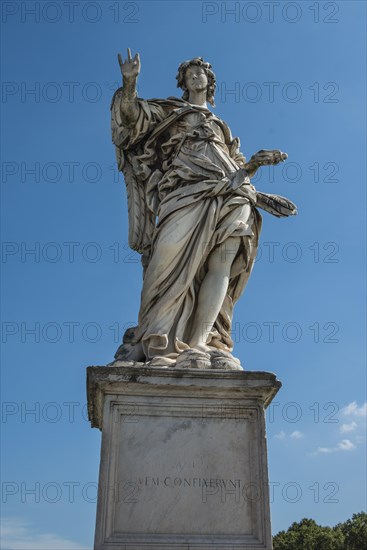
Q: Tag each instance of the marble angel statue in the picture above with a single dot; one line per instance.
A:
(193, 216)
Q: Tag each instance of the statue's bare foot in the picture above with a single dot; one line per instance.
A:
(200, 346)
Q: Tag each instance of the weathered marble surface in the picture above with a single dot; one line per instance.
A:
(183, 461)
(188, 359)
(193, 213)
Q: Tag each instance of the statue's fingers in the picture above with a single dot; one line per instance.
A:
(120, 59)
(278, 155)
(129, 54)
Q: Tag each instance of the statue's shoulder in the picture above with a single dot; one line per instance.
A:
(115, 95)
(169, 103)
(172, 100)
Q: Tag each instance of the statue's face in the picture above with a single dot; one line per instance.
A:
(196, 79)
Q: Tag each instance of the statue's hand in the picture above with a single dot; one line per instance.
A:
(265, 157)
(131, 67)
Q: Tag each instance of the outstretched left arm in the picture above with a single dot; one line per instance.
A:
(264, 158)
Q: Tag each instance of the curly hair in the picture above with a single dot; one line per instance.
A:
(197, 61)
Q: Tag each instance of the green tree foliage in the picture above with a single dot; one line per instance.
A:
(308, 535)
(355, 532)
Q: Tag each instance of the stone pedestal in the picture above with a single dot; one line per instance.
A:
(183, 460)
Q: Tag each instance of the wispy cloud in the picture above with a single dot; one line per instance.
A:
(294, 435)
(353, 410)
(345, 428)
(346, 445)
(354, 417)
(343, 445)
(17, 533)
(324, 450)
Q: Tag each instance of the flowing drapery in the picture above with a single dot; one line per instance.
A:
(189, 194)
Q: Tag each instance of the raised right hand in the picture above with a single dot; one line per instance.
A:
(131, 67)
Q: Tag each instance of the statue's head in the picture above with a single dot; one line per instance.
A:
(197, 62)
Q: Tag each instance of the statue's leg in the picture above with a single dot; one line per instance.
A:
(212, 291)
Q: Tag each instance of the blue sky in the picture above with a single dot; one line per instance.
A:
(290, 76)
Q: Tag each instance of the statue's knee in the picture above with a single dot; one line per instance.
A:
(223, 256)
(219, 262)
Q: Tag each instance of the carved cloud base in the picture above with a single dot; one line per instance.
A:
(183, 460)
(189, 359)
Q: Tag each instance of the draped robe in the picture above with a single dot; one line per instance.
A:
(188, 194)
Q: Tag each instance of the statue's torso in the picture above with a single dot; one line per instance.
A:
(199, 135)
